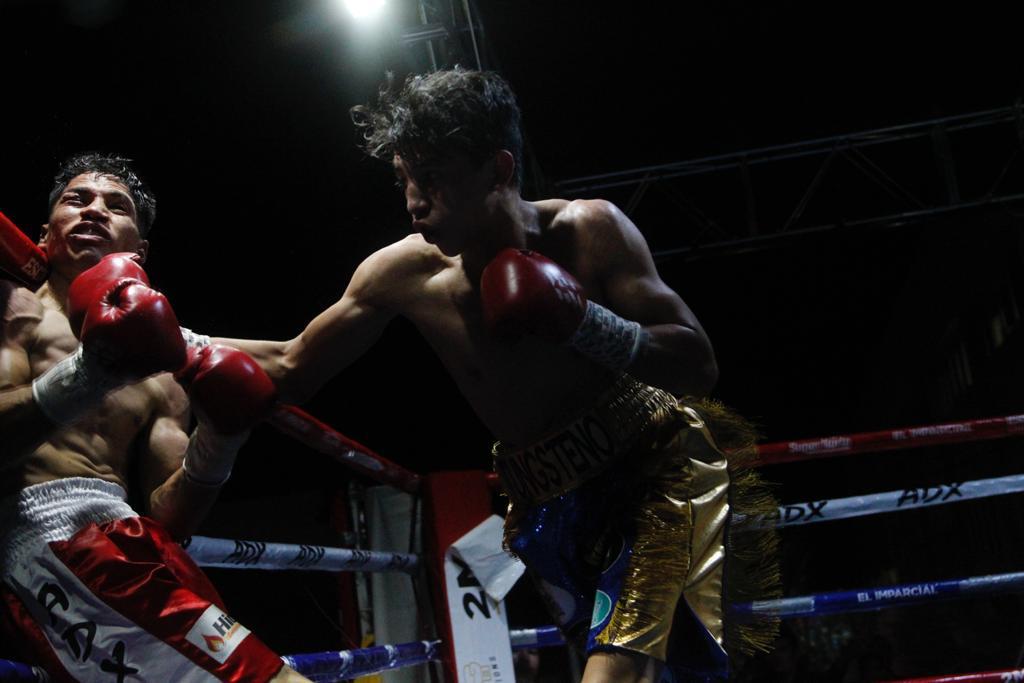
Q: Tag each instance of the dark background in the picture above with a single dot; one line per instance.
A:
(237, 113)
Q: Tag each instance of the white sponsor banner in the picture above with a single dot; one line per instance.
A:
(480, 639)
(483, 550)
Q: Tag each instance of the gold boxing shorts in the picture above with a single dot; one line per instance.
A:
(621, 517)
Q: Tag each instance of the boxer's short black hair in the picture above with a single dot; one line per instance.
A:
(110, 165)
(445, 112)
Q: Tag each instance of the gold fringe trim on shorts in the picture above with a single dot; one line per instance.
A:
(752, 554)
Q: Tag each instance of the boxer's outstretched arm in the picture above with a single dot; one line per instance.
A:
(676, 353)
(337, 336)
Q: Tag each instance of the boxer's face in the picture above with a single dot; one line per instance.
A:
(446, 199)
(93, 217)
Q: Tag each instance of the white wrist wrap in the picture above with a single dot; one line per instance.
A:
(211, 455)
(606, 338)
(193, 340)
(72, 386)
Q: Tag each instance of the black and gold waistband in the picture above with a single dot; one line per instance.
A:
(626, 415)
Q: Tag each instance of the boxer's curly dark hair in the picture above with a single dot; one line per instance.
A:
(445, 112)
(111, 165)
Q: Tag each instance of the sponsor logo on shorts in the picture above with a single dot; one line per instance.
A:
(80, 635)
(602, 609)
(217, 634)
(555, 464)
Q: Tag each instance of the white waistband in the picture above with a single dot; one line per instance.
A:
(54, 511)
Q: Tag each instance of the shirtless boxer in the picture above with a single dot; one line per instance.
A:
(554, 323)
(91, 590)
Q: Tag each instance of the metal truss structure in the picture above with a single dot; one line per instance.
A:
(750, 200)
(449, 32)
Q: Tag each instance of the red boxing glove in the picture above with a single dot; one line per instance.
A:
(134, 330)
(523, 292)
(93, 283)
(230, 393)
(19, 257)
(129, 332)
(228, 389)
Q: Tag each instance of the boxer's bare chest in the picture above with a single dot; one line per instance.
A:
(521, 389)
(102, 443)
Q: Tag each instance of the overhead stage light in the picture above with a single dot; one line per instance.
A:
(364, 9)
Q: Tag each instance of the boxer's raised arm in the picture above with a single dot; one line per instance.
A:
(676, 354)
(626, 320)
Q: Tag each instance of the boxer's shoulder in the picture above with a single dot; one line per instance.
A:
(575, 214)
(22, 312)
(19, 302)
(400, 269)
(603, 237)
(411, 256)
(578, 225)
(580, 235)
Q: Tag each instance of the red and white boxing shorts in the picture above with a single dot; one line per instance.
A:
(93, 592)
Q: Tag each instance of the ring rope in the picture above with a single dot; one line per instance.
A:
(869, 599)
(235, 554)
(891, 439)
(332, 666)
(319, 436)
(542, 636)
(979, 677)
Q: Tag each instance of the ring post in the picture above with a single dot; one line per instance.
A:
(476, 644)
